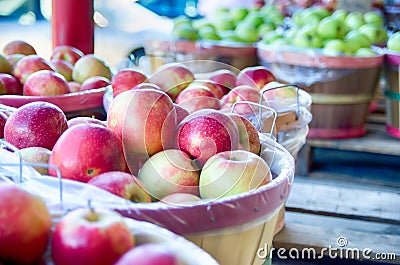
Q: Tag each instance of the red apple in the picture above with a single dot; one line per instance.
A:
(169, 171)
(45, 83)
(30, 64)
(86, 150)
(95, 82)
(146, 85)
(74, 86)
(215, 88)
(142, 119)
(90, 65)
(197, 97)
(84, 120)
(122, 184)
(66, 53)
(11, 84)
(248, 135)
(25, 225)
(3, 119)
(172, 78)
(180, 199)
(255, 76)
(63, 67)
(5, 65)
(18, 47)
(181, 113)
(36, 154)
(205, 133)
(126, 79)
(35, 124)
(242, 93)
(224, 77)
(14, 58)
(90, 236)
(149, 254)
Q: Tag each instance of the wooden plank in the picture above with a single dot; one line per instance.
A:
(304, 231)
(350, 202)
(375, 141)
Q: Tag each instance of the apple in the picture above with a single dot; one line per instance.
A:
(246, 32)
(169, 171)
(181, 113)
(255, 19)
(277, 90)
(126, 79)
(272, 36)
(255, 76)
(14, 58)
(66, 53)
(208, 33)
(238, 13)
(147, 86)
(63, 67)
(172, 78)
(233, 172)
(45, 83)
(36, 154)
(74, 86)
(205, 133)
(149, 254)
(307, 37)
(86, 150)
(364, 52)
(196, 98)
(95, 82)
(122, 184)
(90, 65)
(335, 47)
(357, 37)
(224, 23)
(393, 42)
(373, 17)
(340, 14)
(331, 28)
(5, 65)
(266, 27)
(18, 47)
(142, 119)
(185, 31)
(84, 120)
(180, 199)
(90, 236)
(35, 124)
(375, 33)
(3, 89)
(11, 84)
(30, 64)
(215, 88)
(354, 20)
(248, 135)
(3, 119)
(224, 77)
(242, 93)
(25, 225)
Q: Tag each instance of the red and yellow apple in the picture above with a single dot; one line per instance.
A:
(215, 88)
(27, 65)
(248, 135)
(126, 79)
(45, 83)
(241, 93)
(5, 65)
(255, 76)
(197, 97)
(149, 254)
(66, 53)
(84, 120)
(18, 47)
(11, 84)
(180, 199)
(35, 154)
(95, 82)
(63, 67)
(90, 65)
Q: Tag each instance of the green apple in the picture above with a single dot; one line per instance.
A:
(334, 47)
(375, 33)
(393, 42)
(246, 32)
(321, 11)
(307, 37)
(268, 10)
(290, 33)
(373, 17)
(310, 18)
(271, 36)
(331, 28)
(201, 23)
(364, 52)
(224, 23)
(185, 31)
(297, 17)
(267, 26)
(340, 14)
(229, 35)
(238, 13)
(356, 36)
(354, 20)
(207, 33)
(351, 46)
(182, 20)
(255, 19)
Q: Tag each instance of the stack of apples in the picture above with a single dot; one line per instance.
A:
(81, 236)
(24, 72)
(337, 33)
(236, 25)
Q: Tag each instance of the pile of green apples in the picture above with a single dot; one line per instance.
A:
(333, 33)
(238, 25)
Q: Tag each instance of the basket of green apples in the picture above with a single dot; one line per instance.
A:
(330, 55)
(228, 36)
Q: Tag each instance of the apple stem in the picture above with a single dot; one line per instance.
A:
(91, 216)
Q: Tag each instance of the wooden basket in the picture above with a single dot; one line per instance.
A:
(238, 56)
(342, 87)
(392, 94)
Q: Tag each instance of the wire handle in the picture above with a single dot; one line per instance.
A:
(260, 107)
(283, 86)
